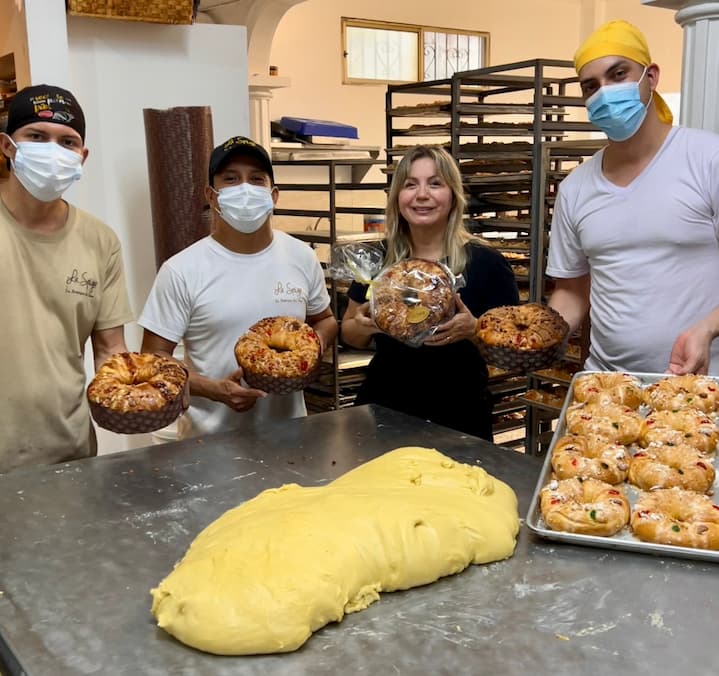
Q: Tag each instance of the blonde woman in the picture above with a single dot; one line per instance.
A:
(425, 219)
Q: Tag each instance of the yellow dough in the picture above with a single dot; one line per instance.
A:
(266, 574)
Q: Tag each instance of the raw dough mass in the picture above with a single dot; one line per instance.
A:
(266, 574)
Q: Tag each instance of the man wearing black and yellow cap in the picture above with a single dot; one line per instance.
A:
(209, 294)
(635, 231)
(62, 277)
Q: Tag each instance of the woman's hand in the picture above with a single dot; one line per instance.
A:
(364, 319)
(460, 327)
(357, 325)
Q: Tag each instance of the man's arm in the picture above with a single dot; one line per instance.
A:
(691, 352)
(571, 299)
(151, 342)
(325, 325)
(106, 342)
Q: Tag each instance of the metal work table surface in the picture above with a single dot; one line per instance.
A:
(82, 543)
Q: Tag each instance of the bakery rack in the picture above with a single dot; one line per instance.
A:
(327, 196)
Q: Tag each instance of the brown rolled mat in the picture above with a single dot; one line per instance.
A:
(179, 142)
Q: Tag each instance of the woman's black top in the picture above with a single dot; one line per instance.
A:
(444, 384)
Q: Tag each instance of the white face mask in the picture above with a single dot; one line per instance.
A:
(245, 207)
(46, 170)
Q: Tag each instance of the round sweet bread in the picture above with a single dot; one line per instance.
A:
(130, 382)
(686, 426)
(618, 423)
(411, 298)
(590, 456)
(672, 516)
(588, 507)
(531, 326)
(674, 393)
(603, 388)
(278, 348)
(662, 466)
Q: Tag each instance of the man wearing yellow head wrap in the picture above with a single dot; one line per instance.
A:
(619, 38)
(635, 229)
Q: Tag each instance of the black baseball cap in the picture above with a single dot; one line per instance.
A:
(239, 145)
(45, 103)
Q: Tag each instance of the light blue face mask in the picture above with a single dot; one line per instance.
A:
(618, 109)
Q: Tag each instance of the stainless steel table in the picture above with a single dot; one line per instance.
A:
(82, 543)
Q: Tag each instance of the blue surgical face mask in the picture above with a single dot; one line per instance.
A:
(46, 170)
(618, 109)
(245, 207)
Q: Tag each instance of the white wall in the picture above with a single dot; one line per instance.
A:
(307, 47)
(42, 18)
(117, 68)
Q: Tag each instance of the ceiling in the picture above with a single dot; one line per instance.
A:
(225, 11)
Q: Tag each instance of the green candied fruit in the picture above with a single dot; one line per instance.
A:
(675, 528)
(593, 515)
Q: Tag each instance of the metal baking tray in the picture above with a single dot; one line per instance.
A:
(624, 539)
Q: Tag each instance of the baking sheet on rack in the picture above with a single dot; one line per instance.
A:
(624, 539)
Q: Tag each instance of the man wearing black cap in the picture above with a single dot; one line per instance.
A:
(209, 294)
(63, 282)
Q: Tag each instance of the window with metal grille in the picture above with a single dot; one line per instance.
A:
(377, 51)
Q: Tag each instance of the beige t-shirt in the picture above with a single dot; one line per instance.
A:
(56, 290)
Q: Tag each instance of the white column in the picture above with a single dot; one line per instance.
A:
(261, 17)
(260, 96)
(700, 75)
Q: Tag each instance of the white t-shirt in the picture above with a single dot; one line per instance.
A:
(209, 296)
(652, 249)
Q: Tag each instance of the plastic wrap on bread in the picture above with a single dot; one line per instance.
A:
(356, 262)
(408, 299)
(411, 298)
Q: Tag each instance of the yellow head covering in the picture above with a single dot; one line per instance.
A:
(620, 38)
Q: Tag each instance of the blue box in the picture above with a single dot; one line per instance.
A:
(306, 127)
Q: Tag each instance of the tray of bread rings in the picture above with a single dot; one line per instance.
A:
(631, 466)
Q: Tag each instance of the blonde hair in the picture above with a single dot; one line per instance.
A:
(456, 235)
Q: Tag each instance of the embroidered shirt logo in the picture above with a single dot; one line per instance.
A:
(288, 293)
(80, 283)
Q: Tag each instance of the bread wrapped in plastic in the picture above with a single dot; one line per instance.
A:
(410, 299)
